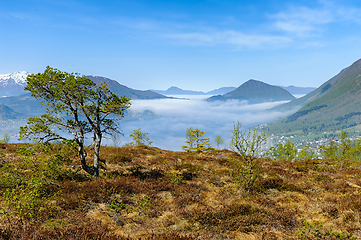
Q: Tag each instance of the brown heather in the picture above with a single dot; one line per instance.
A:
(149, 193)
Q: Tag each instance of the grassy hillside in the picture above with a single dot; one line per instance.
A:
(255, 92)
(333, 106)
(149, 193)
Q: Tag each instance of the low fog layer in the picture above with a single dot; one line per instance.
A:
(216, 118)
(167, 131)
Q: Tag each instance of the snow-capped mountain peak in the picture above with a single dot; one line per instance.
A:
(18, 78)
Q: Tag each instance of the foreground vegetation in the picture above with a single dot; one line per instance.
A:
(149, 193)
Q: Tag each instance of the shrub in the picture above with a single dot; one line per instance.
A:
(287, 151)
(196, 143)
(219, 141)
(248, 144)
(139, 138)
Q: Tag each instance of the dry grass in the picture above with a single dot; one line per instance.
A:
(149, 193)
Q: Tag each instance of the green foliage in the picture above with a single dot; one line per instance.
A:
(26, 197)
(26, 202)
(76, 105)
(248, 144)
(143, 205)
(306, 153)
(313, 231)
(139, 138)
(196, 143)
(287, 151)
(176, 177)
(117, 205)
(219, 141)
(341, 151)
(6, 139)
(189, 137)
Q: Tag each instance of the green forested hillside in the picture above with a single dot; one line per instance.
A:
(335, 105)
(255, 92)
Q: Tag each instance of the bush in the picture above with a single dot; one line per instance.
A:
(248, 144)
(195, 142)
(287, 151)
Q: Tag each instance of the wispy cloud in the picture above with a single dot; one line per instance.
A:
(229, 37)
(304, 21)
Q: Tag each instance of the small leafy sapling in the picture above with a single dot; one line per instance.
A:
(189, 137)
(140, 138)
(306, 153)
(196, 143)
(6, 139)
(341, 151)
(219, 141)
(287, 151)
(248, 145)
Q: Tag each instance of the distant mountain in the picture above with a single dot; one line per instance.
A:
(29, 105)
(122, 90)
(7, 113)
(335, 105)
(298, 90)
(220, 91)
(13, 84)
(23, 104)
(178, 91)
(255, 92)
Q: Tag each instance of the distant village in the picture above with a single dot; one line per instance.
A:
(313, 143)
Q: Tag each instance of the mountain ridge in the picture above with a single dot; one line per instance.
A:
(255, 91)
(13, 84)
(121, 90)
(335, 105)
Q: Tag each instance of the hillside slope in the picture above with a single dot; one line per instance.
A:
(150, 193)
(7, 113)
(23, 104)
(255, 92)
(122, 90)
(335, 105)
(29, 105)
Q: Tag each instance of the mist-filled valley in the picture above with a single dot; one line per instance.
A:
(166, 120)
(173, 116)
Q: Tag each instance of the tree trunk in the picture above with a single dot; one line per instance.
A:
(82, 156)
(97, 142)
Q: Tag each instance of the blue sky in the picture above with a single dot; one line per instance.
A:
(198, 45)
